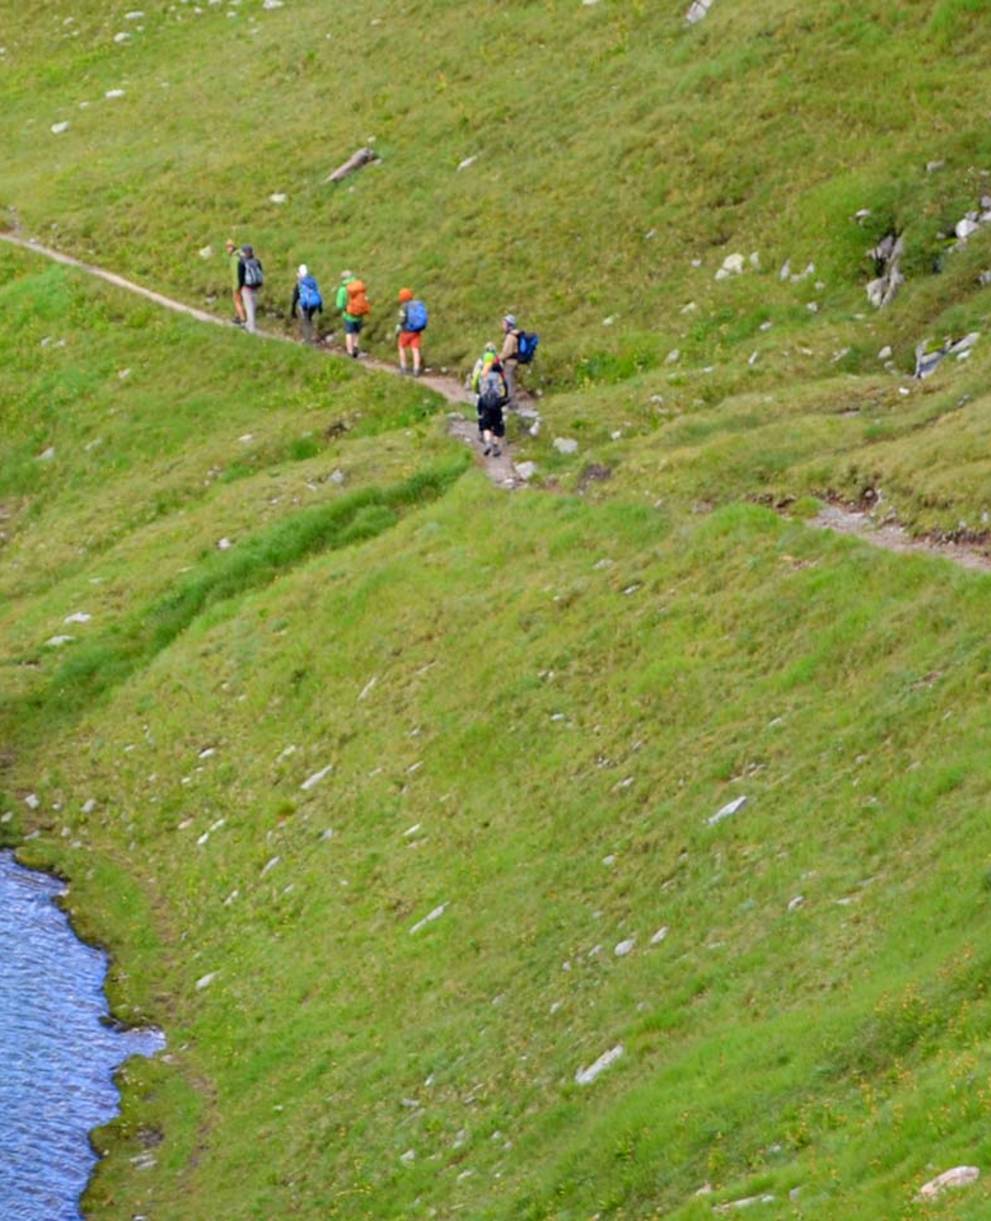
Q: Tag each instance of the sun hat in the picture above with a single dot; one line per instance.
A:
(510, 320)
(405, 294)
(347, 275)
(230, 243)
(491, 347)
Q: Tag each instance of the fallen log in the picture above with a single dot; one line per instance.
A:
(362, 157)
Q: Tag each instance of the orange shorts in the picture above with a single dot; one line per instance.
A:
(410, 339)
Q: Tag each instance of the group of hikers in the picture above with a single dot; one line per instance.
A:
(492, 381)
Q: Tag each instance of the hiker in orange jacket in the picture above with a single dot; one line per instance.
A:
(354, 305)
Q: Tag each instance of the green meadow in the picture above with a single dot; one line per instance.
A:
(400, 800)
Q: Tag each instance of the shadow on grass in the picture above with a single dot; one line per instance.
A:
(109, 660)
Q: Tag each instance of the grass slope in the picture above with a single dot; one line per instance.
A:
(530, 706)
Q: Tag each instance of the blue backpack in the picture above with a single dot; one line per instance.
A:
(416, 316)
(526, 346)
(309, 294)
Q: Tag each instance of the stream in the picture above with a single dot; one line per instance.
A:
(58, 1051)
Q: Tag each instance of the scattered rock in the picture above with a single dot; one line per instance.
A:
(747, 1202)
(959, 1176)
(78, 617)
(326, 835)
(525, 470)
(565, 445)
(885, 353)
(690, 308)
(205, 981)
(269, 865)
(206, 252)
(927, 360)
(278, 197)
(271, 4)
(625, 947)
(585, 1076)
(609, 321)
(31, 801)
(312, 781)
(796, 903)
(609, 860)
(89, 805)
(659, 936)
(727, 811)
(47, 455)
(134, 15)
(887, 256)
(121, 38)
(114, 93)
(7, 816)
(733, 265)
(429, 918)
(56, 642)
(208, 752)
(368, 686)
(468, 161)
(698, 10)
(337, 477)
(673, 357)
(753, 358)
(224, 544)
(364, 156)
(59, 128)
(964, 228)
(933, 167)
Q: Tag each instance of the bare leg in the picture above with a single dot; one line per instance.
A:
(238, 304)
(402, 359)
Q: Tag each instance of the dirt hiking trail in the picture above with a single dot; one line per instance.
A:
(460, 424)
(833, 517)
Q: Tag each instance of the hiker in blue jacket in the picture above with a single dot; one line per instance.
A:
(306, 295)
(412, 323)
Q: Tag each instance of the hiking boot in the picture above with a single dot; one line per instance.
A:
(487, 450)
(496, 451)
(417, 372)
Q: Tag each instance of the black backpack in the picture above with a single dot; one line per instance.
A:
(493, 391)
(254, 277)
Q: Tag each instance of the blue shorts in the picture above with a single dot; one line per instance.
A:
(352, 328)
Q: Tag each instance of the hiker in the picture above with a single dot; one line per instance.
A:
(250, 278)
(233, 261)
(353, 303)
(518, 347)
(413, 318)
(306, 295)
(488, 381)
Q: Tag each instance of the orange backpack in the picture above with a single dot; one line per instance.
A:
(358, 303)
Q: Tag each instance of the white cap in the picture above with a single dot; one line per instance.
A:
(303, 270)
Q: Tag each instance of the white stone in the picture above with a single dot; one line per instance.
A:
(122, 38)
(205, 981)
(673, 357)
(585, 1076)
(609, 860)
(727, 810)
(368, 686)
(733, 265)
(747, 1202)
(609, 321)
(412, 830)
(269, 865)
(89, 805)
(224, 544)
(114, 93)
(697, 10)
(56, 642)
(278, 197)
(271, 4)
(59, 128)
(690, 308)
(659, 936)
(31, 801)
(959, 1176)
(8, 816)
(525, 470)
(429, 918)
(964, 228)
(766, 326)
(206, 252)
(78, 617)
(565, 445)
(312, 781)
(47, 455)
(753, 358)
(625, 947)
(795, 903)
(463, 165)
(885, 353)
(208, 752)
(134, 15)
(785, 273)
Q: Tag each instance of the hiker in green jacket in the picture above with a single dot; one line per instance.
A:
(233, 261)
(353, 303)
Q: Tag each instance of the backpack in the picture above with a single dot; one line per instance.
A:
(416, 316)
(526, 346)
(492, 391)
(358, 303)
(253, 275)
(309, 293)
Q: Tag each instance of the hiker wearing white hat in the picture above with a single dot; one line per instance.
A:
(306, 295)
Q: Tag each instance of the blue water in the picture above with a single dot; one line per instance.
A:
(57, 1055)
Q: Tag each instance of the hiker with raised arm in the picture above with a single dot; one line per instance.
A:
(518, 348)
(353, 303)
(306, 295)
(413, 318)
(488, 383)
(233, 262)
(250, 278)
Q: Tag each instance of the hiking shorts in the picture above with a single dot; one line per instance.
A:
(410, 339)
(491, 419)
(352, 327)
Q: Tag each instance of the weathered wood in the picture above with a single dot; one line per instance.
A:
(363, 156)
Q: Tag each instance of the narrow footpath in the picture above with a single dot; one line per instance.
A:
(500, 470)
